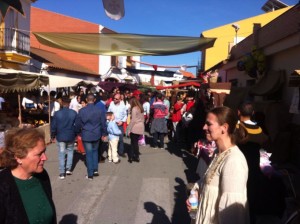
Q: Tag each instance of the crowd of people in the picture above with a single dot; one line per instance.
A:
(100, 120)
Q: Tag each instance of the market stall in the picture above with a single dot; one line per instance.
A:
(15, 81)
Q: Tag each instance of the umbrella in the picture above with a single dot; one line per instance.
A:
(109, 86)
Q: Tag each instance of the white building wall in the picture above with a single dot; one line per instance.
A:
(105, 64)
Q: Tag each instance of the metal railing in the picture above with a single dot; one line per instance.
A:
(15, 41)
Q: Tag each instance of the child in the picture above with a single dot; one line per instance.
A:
(113, 138)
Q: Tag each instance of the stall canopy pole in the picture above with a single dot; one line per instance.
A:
(49, 103)
(20, 113)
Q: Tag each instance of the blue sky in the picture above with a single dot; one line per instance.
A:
(162, 17)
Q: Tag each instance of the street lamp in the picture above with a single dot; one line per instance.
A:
(236, 29)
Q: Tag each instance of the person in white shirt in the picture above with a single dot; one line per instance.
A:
(120, 112)
(74, 102)
(28, 102)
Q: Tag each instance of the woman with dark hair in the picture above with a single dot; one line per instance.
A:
(136, 128)
(223, 190)
(25, 190)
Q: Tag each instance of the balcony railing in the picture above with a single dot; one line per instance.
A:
(14, 41)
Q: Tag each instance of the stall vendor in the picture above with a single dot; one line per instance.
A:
(28, 102)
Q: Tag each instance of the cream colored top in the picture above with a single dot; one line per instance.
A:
(223, 199)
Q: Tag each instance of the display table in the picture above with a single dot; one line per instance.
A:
(46, 130)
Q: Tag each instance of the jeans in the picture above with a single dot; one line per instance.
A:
(161, 137)
(121, 141)
(91, 150)
(63, 149)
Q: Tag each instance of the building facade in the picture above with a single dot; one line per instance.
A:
(230, 34)
(15, 38)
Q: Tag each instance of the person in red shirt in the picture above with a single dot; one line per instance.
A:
(176, 117)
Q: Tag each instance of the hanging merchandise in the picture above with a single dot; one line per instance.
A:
(254, 63)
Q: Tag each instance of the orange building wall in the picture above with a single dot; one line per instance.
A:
(47, 21)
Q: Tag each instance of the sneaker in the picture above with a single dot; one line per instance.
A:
(95, 174)
(117, 162)
(161, 148)
(109, 160)
(154, 147)
(68, 172)
(62, 176)
(88, 178)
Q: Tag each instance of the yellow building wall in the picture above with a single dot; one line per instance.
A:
(226, 35)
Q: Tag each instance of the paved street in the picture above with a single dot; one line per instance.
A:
(152, 191)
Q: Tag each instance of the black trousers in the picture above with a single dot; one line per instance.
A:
(160, 136)
(134, 148)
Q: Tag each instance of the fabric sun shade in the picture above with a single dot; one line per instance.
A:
(123, 44)
(16, 81)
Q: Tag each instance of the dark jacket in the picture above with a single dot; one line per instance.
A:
(12, 210)
(91, 123)
(63, 125)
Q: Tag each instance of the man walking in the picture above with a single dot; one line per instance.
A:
(91, 123)
(120, 111)
(62, 127)
(101, 104)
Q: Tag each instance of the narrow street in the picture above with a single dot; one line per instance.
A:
(152, 191)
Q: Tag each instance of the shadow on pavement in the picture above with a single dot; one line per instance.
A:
(68, 219)
(76, 158)
(189, 160)
(159, 214)
(180, 213)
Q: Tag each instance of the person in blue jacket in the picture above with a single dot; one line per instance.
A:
(113, 138)
(63, 128)
(91, 123)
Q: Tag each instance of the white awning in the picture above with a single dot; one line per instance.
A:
(56, 81)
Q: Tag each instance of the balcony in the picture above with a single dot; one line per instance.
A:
(14, 45)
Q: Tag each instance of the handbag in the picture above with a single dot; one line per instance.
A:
(141, 140)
